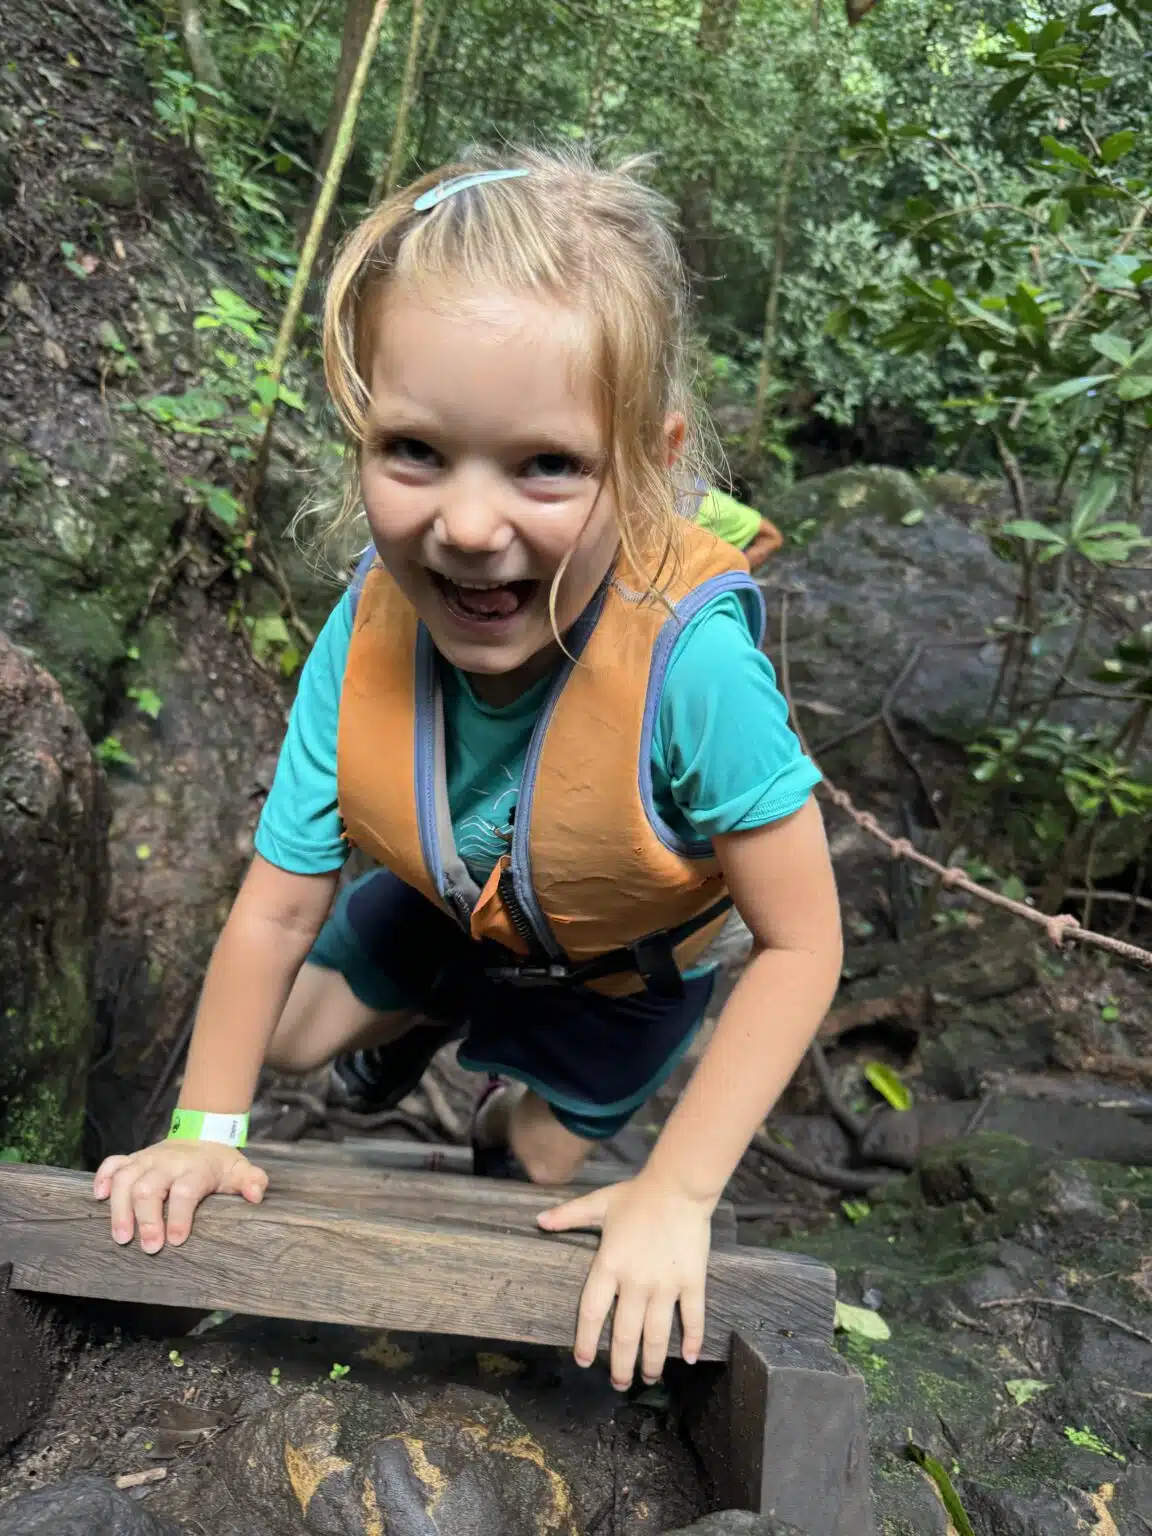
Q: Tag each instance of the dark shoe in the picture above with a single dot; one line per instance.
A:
(495, 1162)
(378, 1078)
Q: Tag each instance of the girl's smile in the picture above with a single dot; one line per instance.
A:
(483, 474)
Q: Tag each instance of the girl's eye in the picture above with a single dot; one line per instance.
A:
(553, 466)
(411, 450)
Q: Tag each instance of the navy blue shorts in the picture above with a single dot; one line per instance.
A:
(595, 1059)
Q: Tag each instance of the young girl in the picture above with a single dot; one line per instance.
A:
(542, 710)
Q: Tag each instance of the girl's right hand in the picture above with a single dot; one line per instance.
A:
(180, 1172)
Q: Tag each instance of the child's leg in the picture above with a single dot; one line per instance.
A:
(323, 1017)
(521, 1120)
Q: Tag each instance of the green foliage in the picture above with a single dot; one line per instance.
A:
(1090, 1442)
(948, 1495)
(888, 1084)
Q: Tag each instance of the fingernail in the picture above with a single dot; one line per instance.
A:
(584, 1361)
(691, 1358)
(122, 1234)
(151, 1244)
(621, 1386)
(650, 1381)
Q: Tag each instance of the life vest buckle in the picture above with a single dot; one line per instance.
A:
(550, 975)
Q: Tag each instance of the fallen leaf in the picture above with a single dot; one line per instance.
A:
(862, 1321)
(888, 1084)
(118, 247)
(55, 353)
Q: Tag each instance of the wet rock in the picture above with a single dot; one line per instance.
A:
(82, 1506)
(360, 1464)
(122, 185)
(53, 872)
(982, 1376)
(737, 1522)
(880, 574)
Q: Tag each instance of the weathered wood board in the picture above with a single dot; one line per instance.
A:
(357, 1189)
(444, 1273)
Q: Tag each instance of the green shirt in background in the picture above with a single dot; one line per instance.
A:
(728, 518)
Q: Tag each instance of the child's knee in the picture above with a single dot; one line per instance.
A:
(548, 1152)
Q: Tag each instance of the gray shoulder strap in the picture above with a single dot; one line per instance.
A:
(356, 585)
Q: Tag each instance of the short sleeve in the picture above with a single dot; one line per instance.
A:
(300, 828)
(724, 757)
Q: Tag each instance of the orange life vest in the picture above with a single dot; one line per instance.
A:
(595, 888)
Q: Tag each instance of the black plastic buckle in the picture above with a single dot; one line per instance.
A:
(550, 975)
(655, 960)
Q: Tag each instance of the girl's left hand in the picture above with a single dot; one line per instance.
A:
(653, 1254)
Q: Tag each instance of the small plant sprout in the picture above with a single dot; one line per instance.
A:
(1090, 1442)
(274, 1375)
(338, 1372)
(176, 1358)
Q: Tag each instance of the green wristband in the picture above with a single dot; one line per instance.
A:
(195, 1125)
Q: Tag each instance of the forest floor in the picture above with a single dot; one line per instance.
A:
(108, 238)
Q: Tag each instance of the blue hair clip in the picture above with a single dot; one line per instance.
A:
(446, 189)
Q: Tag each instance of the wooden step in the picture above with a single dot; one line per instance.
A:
(363, 1189)
(432, 1253)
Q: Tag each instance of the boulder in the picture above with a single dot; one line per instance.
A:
(737, 1522)
(360, 1463)
(53, 872)
(82, 1506)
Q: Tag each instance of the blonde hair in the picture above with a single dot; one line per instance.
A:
(598, 242)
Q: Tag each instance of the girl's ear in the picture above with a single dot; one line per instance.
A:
(675, 431)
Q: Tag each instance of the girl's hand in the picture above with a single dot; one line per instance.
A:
(653, 1254)
(180, 1172)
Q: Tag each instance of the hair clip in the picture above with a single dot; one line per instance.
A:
(446, 189)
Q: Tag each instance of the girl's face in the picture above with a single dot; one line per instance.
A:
(482, 468)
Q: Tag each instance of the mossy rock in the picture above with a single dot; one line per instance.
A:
(53, 871)
(980, 1223)
(867, 490)
(81, 547)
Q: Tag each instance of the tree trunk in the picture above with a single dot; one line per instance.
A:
(197, 47)
(357, 19)
(714, 36)
(431, 103)
(755, 440)
(341, 147)
(389, 173)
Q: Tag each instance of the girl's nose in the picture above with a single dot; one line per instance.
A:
(470, 516)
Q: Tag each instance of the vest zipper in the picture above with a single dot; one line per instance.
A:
(518, 917)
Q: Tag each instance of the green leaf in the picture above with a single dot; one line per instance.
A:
(10, 1155)
(1058, 217)
(1010, 91)
(224, 506)
(1090, 1442)
(888, 1084)
(147, 701)
(856, 1210)
(1070, 387)
(1066, 153)
(1097, 496)
(1025, 1388)
(1117, 349)
(862, 1321)
(948, 1495)
(910, 519)
(1136, 386)
(1116, 145)
(1032, 532)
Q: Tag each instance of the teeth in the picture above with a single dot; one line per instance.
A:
(477, 586)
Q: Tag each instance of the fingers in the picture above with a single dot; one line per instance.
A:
(148, 1196)
(692, 1322)
(120, 1201)
(186, 1193)
(657, 1332)
(102, 1179)
(595, 1304)
(587, 1212)
(627, 1328)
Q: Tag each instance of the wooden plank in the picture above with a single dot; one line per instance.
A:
(783, 1432)
(281, 1260)
(501, 1204)
(416, 1156)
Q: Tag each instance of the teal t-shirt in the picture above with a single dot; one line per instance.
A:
(724, 758)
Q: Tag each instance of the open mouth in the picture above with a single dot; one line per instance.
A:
(484, 602)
